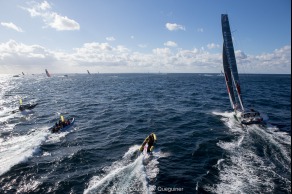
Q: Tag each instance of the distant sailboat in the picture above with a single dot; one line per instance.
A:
(22, 73)
(48, 73)
(232, 78)
(88, 72)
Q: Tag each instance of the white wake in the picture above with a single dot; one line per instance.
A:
(245, 170)
(17, 149)
(131, 174)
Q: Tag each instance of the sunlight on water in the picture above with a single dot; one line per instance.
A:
(113, 113)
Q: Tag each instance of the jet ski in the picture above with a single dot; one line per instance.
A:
(148, 143)
(27, 107)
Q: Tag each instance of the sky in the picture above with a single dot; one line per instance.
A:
(145, 36)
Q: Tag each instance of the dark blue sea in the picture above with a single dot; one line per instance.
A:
(201, 148)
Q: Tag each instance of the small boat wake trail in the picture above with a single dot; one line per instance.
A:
(17, 149)
(257, 159)
(134, 173)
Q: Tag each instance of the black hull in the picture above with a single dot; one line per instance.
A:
(72, 120)
(27, 107)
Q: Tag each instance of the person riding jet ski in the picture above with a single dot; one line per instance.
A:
(149, 142)
(27, 106)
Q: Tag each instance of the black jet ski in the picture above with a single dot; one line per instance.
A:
(27, 107)
(148, 143)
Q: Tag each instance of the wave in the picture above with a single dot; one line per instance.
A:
(258, 159)
(17, 149)
(131, 174)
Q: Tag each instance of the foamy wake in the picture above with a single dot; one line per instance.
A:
(5, 115)
(247, 171)
(56, 137)
(230, 121)
(16, 149)
(131, 174)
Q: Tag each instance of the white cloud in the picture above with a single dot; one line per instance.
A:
(142, 45)
(162, 51)
(50, 18)
(200, 30)
(240, 54)
(12, 26)
(61, 23)
(110, 38)
(278, 61)
(16, 56)
(45, 5)
(174, 26)
(213, 45)
(170, 44)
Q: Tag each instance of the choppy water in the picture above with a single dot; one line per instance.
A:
(200, 148)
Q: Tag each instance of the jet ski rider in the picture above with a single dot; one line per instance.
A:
(150, 140)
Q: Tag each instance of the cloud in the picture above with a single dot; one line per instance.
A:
(12, 26)
(278, 61)
(142, 45)
(240, 55)
(16, 56)
(44, 5)
(170, 44)
(162, 51)
(61, 23)
(213, 45)
(50, 18)
(174, 26)
(200, 30)
(110, 38)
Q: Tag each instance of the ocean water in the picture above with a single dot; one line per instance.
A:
(200, 148)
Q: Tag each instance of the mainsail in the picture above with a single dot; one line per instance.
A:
(229, 63)
(48, 73)
(228, 79)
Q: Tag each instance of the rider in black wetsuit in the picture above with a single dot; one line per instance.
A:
(21, 108)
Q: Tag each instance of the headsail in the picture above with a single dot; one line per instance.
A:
(230, 55)
(48, 73)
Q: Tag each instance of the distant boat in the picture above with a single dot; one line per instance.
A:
(16, 76)
(22, 73)
(65, 75)
(48, 74)
(232, 78)
(88, 72)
